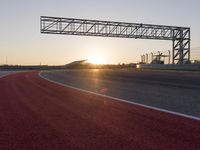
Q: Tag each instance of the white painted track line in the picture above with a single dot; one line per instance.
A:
(122, 100)
(2, 76)
(12, 72)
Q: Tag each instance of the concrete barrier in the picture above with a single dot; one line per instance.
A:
(189, 67)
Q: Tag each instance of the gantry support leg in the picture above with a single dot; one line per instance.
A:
(181, 46)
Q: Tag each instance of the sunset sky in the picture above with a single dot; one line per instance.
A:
(22, 43)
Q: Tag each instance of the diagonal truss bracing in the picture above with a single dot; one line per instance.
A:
(71, 26)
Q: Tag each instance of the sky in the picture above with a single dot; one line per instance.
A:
(21, 42)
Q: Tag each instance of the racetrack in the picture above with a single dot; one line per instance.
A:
(37, 114)
(174, 91)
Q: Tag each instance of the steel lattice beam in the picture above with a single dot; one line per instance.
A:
(70, 26)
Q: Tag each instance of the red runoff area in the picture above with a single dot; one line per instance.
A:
(37, 114)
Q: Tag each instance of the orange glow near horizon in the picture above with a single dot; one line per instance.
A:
(96, 59)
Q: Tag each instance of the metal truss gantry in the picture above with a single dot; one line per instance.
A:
(180, 36)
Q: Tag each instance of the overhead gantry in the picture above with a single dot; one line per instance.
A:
(180, 36)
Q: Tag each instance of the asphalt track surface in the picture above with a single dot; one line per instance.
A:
(37, 114)
(169, 90)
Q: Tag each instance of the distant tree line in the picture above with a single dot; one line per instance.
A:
(36, 67)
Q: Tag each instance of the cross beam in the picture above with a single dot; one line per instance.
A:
(71, 26)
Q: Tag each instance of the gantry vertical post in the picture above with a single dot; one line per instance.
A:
(181, 46)
(173, 43)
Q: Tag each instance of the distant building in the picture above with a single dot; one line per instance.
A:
(79, 62)
(195, 62)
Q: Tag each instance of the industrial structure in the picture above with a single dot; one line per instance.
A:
(158, 57)
(180, 36)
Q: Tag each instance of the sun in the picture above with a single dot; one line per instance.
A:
(96, 59)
